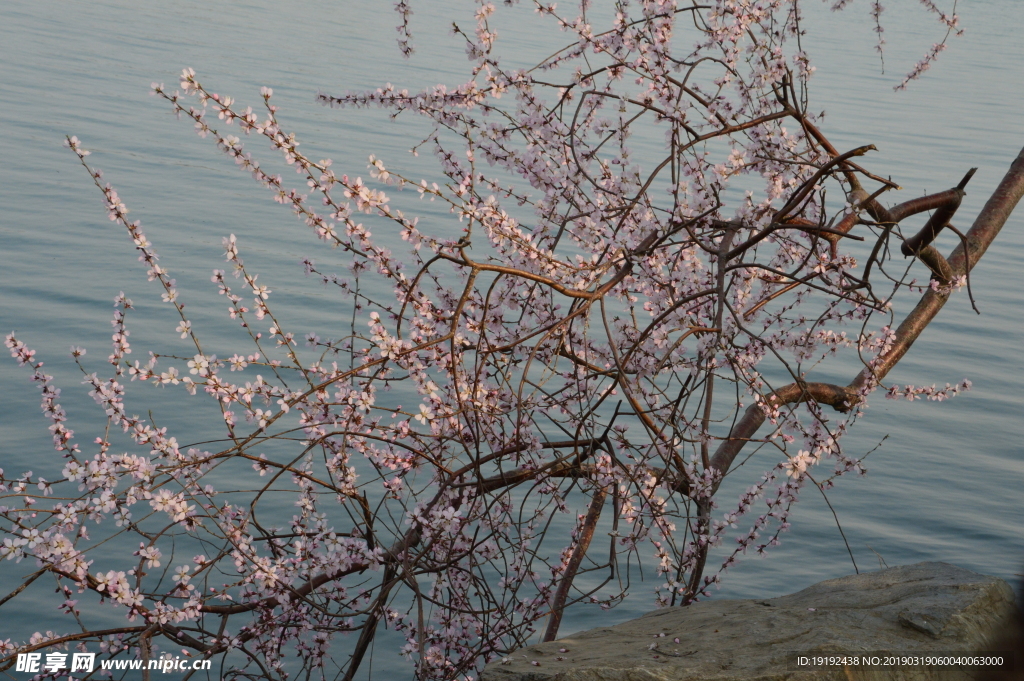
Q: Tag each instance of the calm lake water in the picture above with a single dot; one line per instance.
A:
(947, 484)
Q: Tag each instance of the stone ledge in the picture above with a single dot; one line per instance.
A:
(915, 609)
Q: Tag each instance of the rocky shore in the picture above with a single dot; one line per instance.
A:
(913, 612)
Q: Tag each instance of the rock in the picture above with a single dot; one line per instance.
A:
(915, 610)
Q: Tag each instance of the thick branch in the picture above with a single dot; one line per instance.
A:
(562, 593)
(981, 235)
(936, 223)
(839, 397)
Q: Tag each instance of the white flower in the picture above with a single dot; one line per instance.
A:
(198, 365)
(799, 464)
(170, 376)
(425, 414)
(150, 554)
(181, 574)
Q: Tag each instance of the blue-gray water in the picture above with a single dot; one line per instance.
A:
(946, 485)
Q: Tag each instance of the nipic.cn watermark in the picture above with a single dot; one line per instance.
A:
(35, 663)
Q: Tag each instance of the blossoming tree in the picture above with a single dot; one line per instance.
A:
(589, 347)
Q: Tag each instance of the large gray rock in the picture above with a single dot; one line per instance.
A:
(916, 609)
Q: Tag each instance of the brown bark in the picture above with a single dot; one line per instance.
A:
(981, 235)
(562, 592)
(936, 223)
